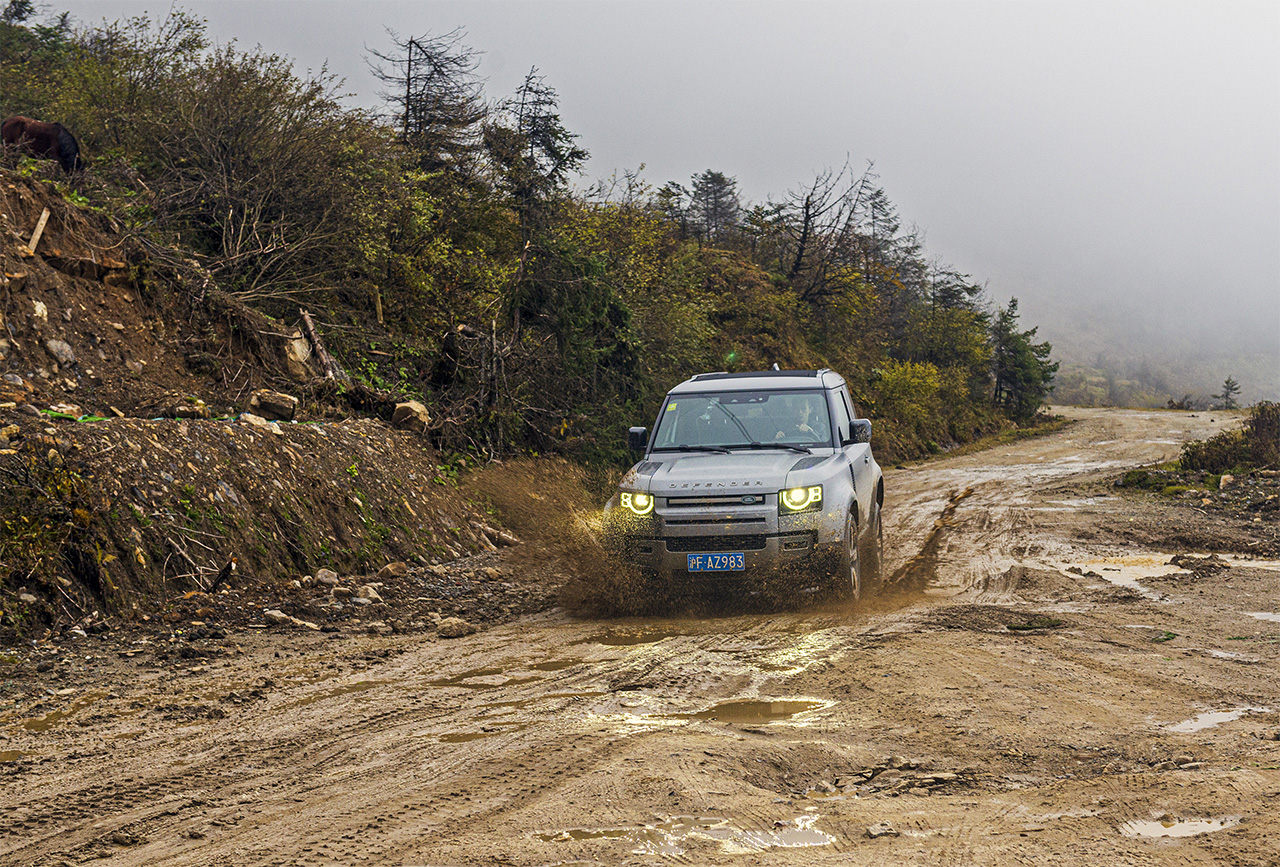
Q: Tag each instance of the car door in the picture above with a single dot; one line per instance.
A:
(858, 455)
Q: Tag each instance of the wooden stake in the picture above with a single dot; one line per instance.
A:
(35, 236)
(331, 368)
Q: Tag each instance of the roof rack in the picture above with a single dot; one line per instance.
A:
(702, 377)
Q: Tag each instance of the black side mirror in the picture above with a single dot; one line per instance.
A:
(860, 431)
(637, 438)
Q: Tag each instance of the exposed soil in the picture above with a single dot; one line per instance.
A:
(131, 477)
(1080, 676)
(1062, 670)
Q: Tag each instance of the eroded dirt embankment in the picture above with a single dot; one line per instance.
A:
(1064, 690)
(130, 480)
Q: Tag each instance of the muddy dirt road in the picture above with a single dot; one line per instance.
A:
(1136, 725)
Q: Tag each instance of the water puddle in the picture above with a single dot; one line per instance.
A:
(1168, 826)
(632, 637)
(1127, 571)
(468, 737)
(1269, 565)
(1264, 615)
(1214, 718)
(521, 704)
(1073, 505)
(668, 838)
(7, 756)
(556, 664)
(759, 711)
(48, 721)
(482, 678)
(358, 686)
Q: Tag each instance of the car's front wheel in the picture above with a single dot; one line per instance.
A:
(870, 551)
(848, 577)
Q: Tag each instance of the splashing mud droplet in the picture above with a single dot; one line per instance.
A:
(1167, 826)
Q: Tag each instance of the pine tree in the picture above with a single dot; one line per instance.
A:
(714, 204)
(1022, 371)
(1230, 388)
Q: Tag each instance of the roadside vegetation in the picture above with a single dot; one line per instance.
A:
(1238, 470)
(447, 253)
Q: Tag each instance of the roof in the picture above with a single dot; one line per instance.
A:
(760, 380)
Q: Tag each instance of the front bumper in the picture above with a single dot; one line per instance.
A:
(663, 540)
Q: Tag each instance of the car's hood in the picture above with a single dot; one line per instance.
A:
(688, 473)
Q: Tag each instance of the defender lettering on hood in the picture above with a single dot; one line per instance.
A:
(713, 485)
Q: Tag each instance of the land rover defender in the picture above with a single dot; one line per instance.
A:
(766, 473)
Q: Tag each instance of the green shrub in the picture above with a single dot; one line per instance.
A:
(1257, 444)
(1262, 429)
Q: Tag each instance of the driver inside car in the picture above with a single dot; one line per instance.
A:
(801, 428)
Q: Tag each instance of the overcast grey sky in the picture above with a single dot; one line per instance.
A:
(1106, 162)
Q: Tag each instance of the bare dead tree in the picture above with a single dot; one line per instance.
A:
(436, 94)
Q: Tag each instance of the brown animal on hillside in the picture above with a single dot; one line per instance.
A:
(39, 139)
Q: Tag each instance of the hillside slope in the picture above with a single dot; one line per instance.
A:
(130, 474)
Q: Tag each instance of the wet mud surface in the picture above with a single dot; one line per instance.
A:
(1043, 685)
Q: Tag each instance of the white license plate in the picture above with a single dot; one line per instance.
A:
(732, 562)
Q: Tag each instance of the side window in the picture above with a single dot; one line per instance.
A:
(844, 421)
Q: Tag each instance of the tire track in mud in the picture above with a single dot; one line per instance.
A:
(922, 567)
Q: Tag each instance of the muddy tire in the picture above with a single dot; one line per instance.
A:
(870, 555)
(847, 580)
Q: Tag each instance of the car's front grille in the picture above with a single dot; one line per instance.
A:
(685, 544)
(732, 501)
(712, 522)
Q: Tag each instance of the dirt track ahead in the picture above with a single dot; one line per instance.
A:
(931, 728)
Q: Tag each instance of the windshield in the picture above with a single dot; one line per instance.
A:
(740, 418)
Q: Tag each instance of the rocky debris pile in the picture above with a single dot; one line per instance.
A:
(1178, 763)
(145, 511)
(894, 776)
(453, 600)
(1254, 495)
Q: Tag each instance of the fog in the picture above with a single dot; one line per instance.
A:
(1116, 166)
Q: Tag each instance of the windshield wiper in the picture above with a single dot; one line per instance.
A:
(755, 445)
(717, 449)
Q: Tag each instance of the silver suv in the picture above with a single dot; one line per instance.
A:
(753, 472)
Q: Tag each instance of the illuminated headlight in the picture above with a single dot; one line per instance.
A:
(800, 499)
(639, 504)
